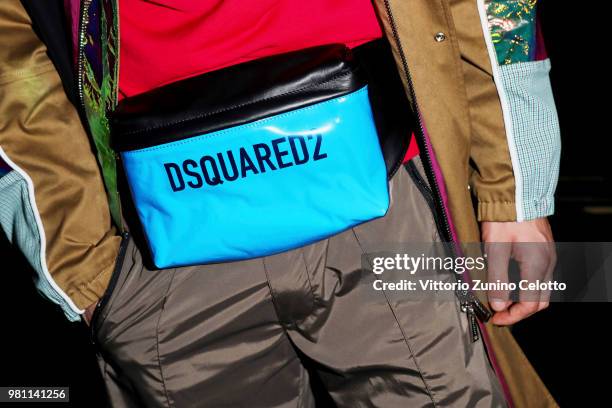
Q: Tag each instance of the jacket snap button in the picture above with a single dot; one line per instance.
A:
(439, 37)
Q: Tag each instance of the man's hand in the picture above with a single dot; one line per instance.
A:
(536, 262)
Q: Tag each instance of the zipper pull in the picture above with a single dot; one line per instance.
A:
(481, 311)
(468, 308)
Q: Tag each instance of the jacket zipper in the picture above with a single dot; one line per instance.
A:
(469, 303)
(466, 306)
(111, 286)
(426, 193)
(80, 74)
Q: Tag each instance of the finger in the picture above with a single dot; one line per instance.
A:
(498, 258)
(543, 305)
(552, 263)
(515, 313)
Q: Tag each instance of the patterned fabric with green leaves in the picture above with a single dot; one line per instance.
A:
(98, 48)
(513, 29)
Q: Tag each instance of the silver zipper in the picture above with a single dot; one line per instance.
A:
(468, 309)
(81, 50)
(469, 303)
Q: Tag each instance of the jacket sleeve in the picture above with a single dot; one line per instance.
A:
(520, 70)
(53, 205)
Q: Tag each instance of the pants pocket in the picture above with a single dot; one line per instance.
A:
(125, 333)
(101, 307)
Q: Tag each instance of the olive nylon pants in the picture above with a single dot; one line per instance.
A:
(256, 333)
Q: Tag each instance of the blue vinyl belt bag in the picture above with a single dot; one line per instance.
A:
(253, 159)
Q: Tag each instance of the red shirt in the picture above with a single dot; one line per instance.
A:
(168, 40)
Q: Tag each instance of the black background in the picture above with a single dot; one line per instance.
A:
(567, 343)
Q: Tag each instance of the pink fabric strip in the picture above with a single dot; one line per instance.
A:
(72, 11)
(541, 53)
(443, 193)
(498, 371)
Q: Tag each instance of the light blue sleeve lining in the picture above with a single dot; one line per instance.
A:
(536, 134)
(20, 227)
